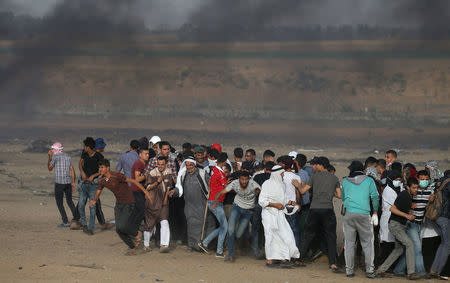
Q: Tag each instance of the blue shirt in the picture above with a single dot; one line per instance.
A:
(126, 161)
(304, 176)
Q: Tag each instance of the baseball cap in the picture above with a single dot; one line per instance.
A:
(217, 146)
(100, 143)
(155, 140)
(356, 166)
(293, 154)
(313, 160)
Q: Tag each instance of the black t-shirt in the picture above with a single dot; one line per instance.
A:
(403, 203)
(90, 164)
(261, 178)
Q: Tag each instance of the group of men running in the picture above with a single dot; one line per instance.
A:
(282, 204)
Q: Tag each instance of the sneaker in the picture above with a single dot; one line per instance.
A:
(147, 249)
(229, 258)
(220, 255)
(413, 276)
(88, 231)
(75, 225)
(106, 226)
(202, 247)
(372, 275)
(62, 225)
(164, 249)
(351, 275)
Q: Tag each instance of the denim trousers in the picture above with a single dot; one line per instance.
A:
(294, 223)
(256, 229)
(239, 217)
(87, 191)
(441, 257)
(221, 231)
(413, 232)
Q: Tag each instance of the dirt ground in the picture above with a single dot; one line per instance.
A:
(34, 249)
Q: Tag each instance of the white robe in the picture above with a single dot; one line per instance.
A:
(389, 196)
(280, 241)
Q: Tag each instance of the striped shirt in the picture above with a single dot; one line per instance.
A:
(421, 199)
(61, 164)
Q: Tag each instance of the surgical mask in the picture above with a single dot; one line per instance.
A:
(424, 183)
(397, 183)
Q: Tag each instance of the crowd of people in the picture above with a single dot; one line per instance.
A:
(279, 208)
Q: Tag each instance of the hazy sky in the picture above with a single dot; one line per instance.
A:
(325, 12)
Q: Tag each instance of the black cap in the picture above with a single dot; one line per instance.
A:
(323, 161)
(313, 160)
(394, 174)
(356, 166)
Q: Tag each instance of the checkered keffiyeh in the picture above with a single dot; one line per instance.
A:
(61, 164)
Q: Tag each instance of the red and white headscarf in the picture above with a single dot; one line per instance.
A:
(57, 147)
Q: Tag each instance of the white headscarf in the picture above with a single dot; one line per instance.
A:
(272, 190)
(181, 173)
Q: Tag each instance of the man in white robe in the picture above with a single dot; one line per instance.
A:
(280, 241)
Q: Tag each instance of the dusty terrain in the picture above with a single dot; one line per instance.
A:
(34, 249)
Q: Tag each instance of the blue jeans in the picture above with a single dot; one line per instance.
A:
(413, 232)
(221, 231)
(256, 228)
(87, 190)
(241, 217)
(294, 223)
(441, 257)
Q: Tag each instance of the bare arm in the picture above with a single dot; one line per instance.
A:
(97, 195)
(139, 185)
(337, 193)
(50, 156)
(138, 176)
(80, 166)
(301, 187)
(73, 176)
(398, 212)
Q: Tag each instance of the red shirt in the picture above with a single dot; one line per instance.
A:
(139, 166)
(217, 183)
(116, 184)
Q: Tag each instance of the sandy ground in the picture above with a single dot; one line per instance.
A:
(34, 249)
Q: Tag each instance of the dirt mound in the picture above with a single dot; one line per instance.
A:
(39, 146)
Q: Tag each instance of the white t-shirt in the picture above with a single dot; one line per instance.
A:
(289, 189)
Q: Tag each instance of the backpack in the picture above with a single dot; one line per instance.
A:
(434, 208)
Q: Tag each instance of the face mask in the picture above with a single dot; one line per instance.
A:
(396, 183)
(424, 183)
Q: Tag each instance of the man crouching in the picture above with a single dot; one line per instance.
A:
(124, 211)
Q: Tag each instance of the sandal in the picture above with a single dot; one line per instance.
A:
(285, 264)
(272, 265)
(336, 270)
(299, 263)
